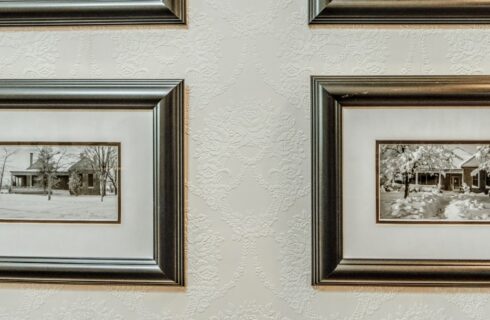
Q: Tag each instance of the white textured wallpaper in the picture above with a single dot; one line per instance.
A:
(247, 66)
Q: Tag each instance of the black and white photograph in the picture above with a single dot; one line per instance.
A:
(433, 181)
(60, 182)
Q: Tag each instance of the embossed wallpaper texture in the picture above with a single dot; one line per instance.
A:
(247, 66)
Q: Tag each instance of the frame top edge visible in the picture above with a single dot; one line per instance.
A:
(434, 86)
(384, 12)
(401, 78)
(123, 92)
(91, 12)
(91, 82)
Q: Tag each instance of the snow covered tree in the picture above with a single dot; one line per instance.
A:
(5, 154)
(104, 161)
(483, 155)
(404, 160)
(75, 183)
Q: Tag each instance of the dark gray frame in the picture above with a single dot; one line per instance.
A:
(165, 98)
(329, 96)
(91, 12)
(396, 11)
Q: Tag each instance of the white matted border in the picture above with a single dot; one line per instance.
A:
(133, 238)
(362, 237)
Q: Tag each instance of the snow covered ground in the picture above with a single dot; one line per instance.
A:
(447, 206)
(61, 207)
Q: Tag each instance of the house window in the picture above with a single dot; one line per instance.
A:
(476, 180)
(90, 178)
(432, 179)
(428, 178)
(487, 180)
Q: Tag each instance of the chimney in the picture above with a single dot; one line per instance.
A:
(32, 156)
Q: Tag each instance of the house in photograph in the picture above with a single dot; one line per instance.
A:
(90, 182)
(476, 179)
(464, 171)
(27, 181)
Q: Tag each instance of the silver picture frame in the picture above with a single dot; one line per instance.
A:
(165, 99)
(91, 12)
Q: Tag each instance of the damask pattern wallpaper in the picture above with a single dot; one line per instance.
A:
(247, 66)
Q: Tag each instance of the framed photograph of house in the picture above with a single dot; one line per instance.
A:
(401, 180)
(60, 182)
(91, 181)
(399, 12)
(91, 12)
(433, 181)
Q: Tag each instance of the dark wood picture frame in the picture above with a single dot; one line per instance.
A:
(166, 100)
(398, 12)
(329, 96)
(91, 12)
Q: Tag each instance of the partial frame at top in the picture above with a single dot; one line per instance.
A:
(91, 12)
(399, 11)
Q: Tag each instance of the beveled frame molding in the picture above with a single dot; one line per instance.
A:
(399, 11)
(329, 96)
(91, 12)
(166, 99)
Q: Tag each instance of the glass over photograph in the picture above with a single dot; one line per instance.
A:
(60, 182)
(433, 181)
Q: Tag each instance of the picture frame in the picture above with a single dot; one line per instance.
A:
(164, 99)
(330, 96)
(398, 12)
(91, 12)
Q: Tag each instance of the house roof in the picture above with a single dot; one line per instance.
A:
(471, 162)
(83, 165)
(37, 165)
(461, 157)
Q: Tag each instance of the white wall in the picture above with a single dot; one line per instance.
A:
(247, 65)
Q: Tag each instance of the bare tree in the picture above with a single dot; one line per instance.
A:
(49, 164)
(113, 177)
(6, 154)
(104, 161)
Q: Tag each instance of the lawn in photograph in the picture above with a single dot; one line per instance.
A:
(59, 182)
(433, 181)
